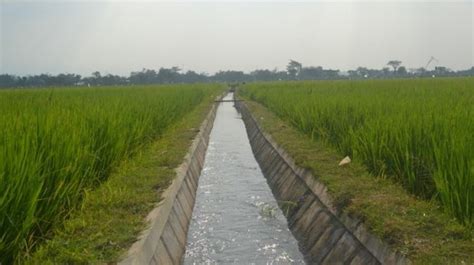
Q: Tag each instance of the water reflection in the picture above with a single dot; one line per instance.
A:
(236, 219)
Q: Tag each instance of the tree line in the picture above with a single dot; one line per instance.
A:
(294, 71)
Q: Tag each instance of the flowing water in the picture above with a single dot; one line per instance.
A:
(236, 219)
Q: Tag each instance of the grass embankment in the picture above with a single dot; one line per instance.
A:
(57, 157)
(421, 229)
(418, 132)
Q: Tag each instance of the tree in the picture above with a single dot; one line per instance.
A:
(395, 64)
(231, 76)
(193, 77)
(145, 76)
(263, 75)
(442, 70)
(363, 71)
(317, 73)
(468, 72)
(310, 73)
(169, 75)
(113, 80)
(96, 74)
(418, 71)
(402, 70)
(8, 80)
(294, 69)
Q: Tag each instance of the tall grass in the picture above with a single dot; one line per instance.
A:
(419, 132)
(56, 143)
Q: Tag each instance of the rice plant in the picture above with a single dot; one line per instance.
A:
(57, 143)
(418, 132)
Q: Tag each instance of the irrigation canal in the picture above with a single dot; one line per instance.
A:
(236, 218)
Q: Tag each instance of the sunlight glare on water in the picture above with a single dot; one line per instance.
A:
(236, 219)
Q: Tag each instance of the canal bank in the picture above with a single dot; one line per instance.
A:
(325, 235)
(163, 242)
(237, 220)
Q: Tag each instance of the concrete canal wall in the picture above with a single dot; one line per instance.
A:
(164, 242)
(324, 236)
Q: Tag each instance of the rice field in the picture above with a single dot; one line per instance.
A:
(419, 132)
(55, 144)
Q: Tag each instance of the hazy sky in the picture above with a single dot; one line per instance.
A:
(120, 37)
